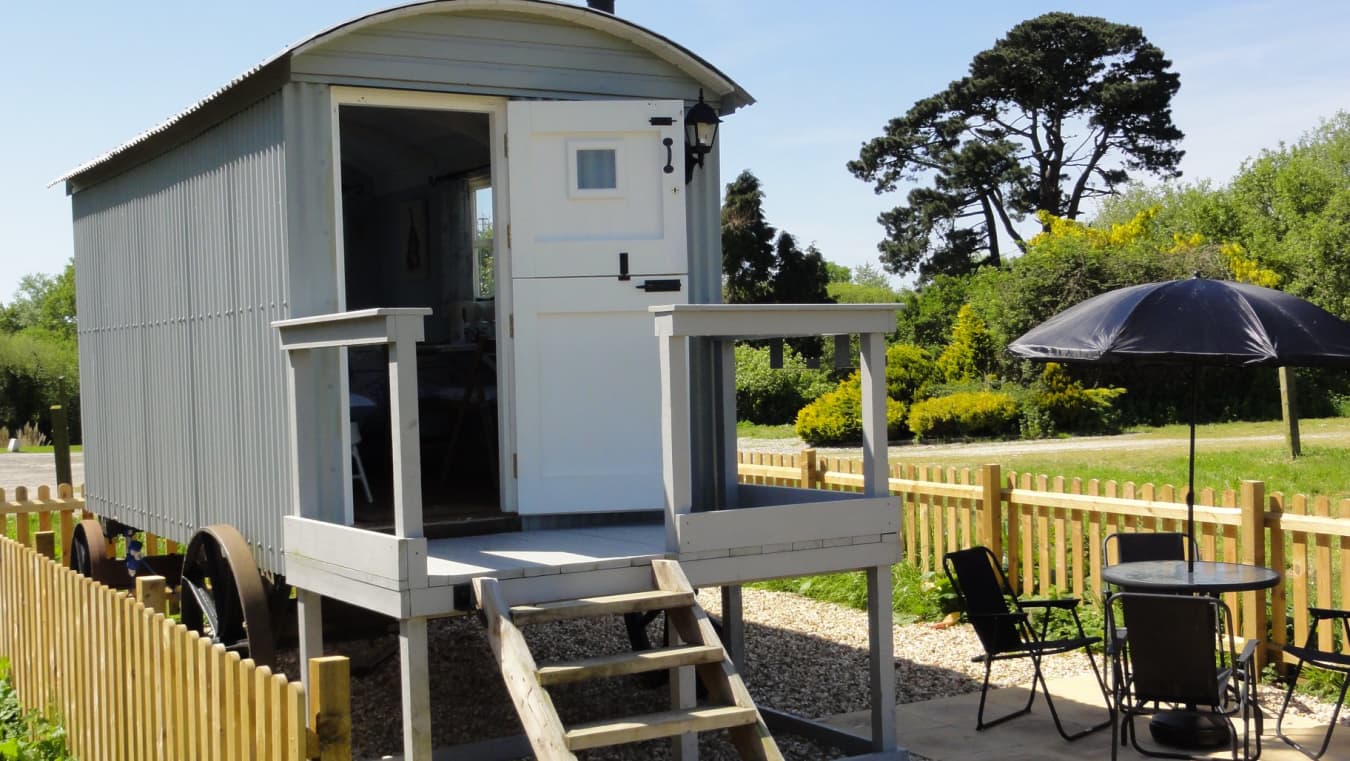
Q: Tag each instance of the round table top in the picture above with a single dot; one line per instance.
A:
(1172, 576)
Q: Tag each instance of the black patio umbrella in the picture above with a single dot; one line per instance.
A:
(1192, 322)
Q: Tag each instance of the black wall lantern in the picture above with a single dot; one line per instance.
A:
(700, 130)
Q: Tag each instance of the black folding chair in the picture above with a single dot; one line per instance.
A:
(1181, 652)
(1309, 654)
(1005, 631)
(1139, 547)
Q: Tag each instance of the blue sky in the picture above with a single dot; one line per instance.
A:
(82, 77)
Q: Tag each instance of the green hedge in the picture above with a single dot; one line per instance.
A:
(771, 396)
(37, 370)
(965, 413)
(836, 417)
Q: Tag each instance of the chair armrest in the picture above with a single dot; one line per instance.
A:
(997, 616)
(1248, 650)
(1325, 613)
(1062, 603)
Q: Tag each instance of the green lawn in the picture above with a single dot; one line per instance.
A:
(1221, 461)
(47, 449)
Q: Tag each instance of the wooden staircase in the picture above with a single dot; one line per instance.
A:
(730, 705)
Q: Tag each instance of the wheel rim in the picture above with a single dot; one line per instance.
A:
(223, 594)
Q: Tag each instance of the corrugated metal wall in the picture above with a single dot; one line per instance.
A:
(180, 267)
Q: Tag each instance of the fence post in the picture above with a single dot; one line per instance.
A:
(991, 509)
(150, 590)
(61, 444)
(1253, 540)
(331, 704)
(44, 542)
(808, 463)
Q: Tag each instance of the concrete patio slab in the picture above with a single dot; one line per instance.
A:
(944, 729)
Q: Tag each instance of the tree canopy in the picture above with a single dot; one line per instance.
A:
(761, 265)
(1059, 111)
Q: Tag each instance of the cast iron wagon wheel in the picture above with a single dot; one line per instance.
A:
(223, 594)
(88, 555)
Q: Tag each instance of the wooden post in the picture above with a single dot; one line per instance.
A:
(44, 542)
(808, 464)
(1254, 615)
(152, 593)
(61, 444)
(331, 707)
(416, 689)
(1289, 410)
(881, 657)
(991, 509)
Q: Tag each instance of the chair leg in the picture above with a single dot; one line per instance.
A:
(1331, 727)
(980, 723)
(1049, 701)
(361, 474)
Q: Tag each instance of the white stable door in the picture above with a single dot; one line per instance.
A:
(597, 236)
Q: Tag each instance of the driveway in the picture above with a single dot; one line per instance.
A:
(34, 470)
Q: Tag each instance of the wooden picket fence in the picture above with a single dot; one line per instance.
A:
(1049, 531)
(129, 683)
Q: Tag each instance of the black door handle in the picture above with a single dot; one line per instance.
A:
(657, 286)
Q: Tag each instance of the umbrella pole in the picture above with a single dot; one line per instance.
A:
(1190, 489)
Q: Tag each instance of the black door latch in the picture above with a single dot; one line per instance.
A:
(657, 286)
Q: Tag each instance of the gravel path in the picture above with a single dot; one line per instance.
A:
(803, 656)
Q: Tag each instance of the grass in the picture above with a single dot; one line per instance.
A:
(44, 449)
(748, 430)
(1220, 463)
(27, 735)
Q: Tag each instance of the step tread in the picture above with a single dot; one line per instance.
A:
(630, 602)
(655, 725)
(622, 664)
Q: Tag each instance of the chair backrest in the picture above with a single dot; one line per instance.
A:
(979, 580)
(1138, 547)
(1176, 645)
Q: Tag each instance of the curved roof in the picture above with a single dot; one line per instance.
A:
(271, 73)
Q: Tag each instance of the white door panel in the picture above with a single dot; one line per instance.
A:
(588, 410)
(593, 174)
(588, 183)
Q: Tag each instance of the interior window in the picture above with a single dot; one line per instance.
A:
(483, 274)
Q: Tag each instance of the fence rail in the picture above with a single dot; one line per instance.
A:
(129, 683)
(1049, 531)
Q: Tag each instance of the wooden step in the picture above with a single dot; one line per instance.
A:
(623, 664)
(651, 726)
(631, 602)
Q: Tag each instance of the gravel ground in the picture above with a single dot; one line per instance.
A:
(804, 656)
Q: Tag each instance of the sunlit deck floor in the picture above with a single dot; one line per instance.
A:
(524, 554)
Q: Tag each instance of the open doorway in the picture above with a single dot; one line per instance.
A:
(417, 215)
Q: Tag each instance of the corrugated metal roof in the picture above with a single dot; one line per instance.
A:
(731, 99)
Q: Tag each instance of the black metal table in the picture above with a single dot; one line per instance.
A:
(1208, 577)
(1182, 728)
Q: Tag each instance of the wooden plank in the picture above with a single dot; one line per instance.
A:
(1095, 536)
(1322, 572)
(1061, 540)
(725, 529)
(293, 726)
(205, 712)
(631, 602)
(247, 708)
(601, 734)
(622, 664)
(721, 680)
(331, 709)
(228, 705)
(366, 552)
(1279, 635)
(537, 715)
(263, 698)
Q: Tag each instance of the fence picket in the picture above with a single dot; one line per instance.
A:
(1322, 571)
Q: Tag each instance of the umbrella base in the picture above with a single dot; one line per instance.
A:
(1189, 729)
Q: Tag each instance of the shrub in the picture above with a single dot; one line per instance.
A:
(966, 413)
(970, 355)
(772, 397)
(836, 417)
(37, 370)
(1060, 404)
(910, 372)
